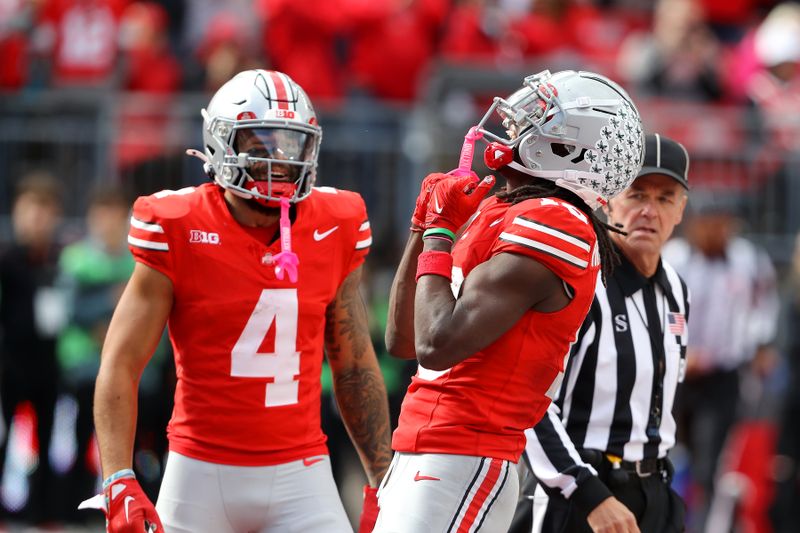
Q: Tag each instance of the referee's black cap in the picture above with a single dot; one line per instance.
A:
(663, 155)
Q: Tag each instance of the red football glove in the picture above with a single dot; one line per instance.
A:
(454, 200)
(126, 507)
(369, 512)
(129, 510)
(421, 207)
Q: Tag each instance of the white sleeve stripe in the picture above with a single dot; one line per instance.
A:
(360, 245)
(364, 226)
(536, 245)
(150, 245)
(146, 226)
(583, 245)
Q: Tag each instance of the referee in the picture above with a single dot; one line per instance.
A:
(600, 454)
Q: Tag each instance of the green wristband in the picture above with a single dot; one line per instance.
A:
(440, 231)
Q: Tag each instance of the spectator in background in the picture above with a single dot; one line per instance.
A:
(729, 18)
(678, 59)
(31, 315)
(79, 37)
(151, 69)
(770, 80)
(313, 58)
(150, 65)
(569, 32)
(17, 21)
(473, 32)
(400, 33)
(553, 27)
(225, 50)
(734, 318)
(774, 87)
(785, 513)
(145, 125)
(93, 272)
(200, 15)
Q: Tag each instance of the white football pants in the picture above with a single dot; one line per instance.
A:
(439, 493)
(300, 496)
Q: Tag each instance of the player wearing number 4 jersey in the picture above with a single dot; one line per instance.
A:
(494, 314)
(254, 275)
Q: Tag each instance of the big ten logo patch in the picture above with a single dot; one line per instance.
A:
(204, 237)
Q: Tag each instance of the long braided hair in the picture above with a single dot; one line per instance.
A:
(542, 188)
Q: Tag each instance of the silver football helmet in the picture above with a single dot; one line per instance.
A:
(578, 129)
(261, 138)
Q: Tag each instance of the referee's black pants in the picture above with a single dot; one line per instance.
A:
(657, 508)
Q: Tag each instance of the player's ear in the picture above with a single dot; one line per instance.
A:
(681, 207)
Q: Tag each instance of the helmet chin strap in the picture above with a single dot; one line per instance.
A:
(566, 179)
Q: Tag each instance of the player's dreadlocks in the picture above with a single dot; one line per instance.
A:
(542, 188)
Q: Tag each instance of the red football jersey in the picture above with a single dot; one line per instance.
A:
(248, 347)
(482, 405)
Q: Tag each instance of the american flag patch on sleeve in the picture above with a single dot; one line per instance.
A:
(677, 323)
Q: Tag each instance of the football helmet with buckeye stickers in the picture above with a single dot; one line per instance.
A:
(261, 138)
(578, 129)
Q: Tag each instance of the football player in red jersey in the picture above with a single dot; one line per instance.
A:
(494, 312)
(255, 275)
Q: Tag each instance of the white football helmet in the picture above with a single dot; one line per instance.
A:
(261, 138)
(578, 129)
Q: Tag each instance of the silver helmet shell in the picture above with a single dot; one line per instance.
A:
(578, 129)
(272, 106)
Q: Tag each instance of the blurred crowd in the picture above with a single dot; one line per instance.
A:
(58, 291)
(707, 50)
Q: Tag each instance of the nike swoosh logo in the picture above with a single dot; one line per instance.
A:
(311, 461)
(496, 222)
(319, 236)
(425, 478)
(436, 205)
(128, 500)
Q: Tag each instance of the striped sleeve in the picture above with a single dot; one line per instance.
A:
(553, 457)
(362, 240)
(553, 234)
(147, 238)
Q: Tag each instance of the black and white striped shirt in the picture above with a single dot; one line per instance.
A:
(620, 380)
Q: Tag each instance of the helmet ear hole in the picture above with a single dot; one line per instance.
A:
(497, 155)
(562, 150)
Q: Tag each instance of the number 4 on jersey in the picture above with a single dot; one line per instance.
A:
(283, 365)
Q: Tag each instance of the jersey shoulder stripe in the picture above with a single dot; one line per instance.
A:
(555, 232)
(146, 226)
(544, 248)
(150, 245)
(552, 231)
(364, 236)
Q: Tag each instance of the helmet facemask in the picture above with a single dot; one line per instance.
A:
(267, 164)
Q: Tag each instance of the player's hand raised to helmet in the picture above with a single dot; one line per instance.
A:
(425, 190)
(454, 200)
